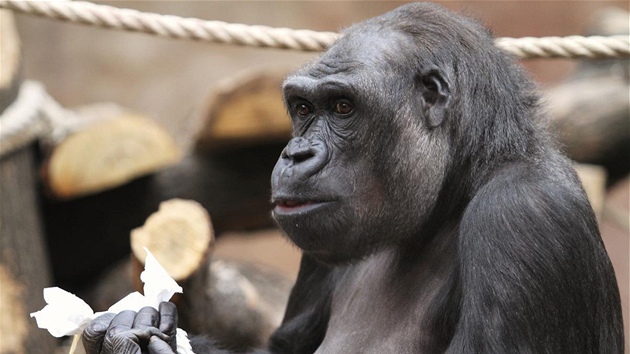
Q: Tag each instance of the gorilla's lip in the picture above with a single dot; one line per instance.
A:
(285, 206)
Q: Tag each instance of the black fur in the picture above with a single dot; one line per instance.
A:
(435, 217)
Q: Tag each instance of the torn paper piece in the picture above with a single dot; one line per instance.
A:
(66, 314)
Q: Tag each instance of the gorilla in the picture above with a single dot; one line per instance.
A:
(433, 212)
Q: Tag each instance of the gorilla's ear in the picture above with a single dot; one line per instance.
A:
(435, 95)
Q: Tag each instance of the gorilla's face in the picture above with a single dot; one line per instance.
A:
(364, 168)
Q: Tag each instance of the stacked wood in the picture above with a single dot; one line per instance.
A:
(107, 154)
(238, 304)
(245, 110)
(24, 268)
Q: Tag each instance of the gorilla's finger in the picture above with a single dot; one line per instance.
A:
(123, 320)
(168, 318)
(158, 346)
(122, 343)
(168, 323)
(121, 340)
(147, 317)
(129, 341)
(95, 332)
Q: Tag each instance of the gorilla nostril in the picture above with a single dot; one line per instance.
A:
(298, 150)
(301, 156)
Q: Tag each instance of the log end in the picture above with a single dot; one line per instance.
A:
(245, 110)
(179, 235)
(108, 154)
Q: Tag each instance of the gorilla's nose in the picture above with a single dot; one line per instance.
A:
(298, 150)
(304, 157)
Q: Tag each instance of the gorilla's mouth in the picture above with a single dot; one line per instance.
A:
(291, 206)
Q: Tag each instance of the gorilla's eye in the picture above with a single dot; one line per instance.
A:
(303, 110)
(344, 108)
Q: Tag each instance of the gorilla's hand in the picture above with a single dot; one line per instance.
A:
(145, 332)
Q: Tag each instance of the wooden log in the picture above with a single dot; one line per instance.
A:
(244, 110)
(238, 305)
(179, 235)
(106, 154)
(24, 269)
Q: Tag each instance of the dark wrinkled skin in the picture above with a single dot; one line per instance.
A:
(433, 213)
(145, 332)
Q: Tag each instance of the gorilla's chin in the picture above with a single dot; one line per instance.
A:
(317, 227)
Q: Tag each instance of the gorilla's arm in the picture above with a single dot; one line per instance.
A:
(527, 237)
(308, 311)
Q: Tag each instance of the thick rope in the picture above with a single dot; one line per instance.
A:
(20, 123)
(173, 26)
(35, 115)
(304, 40)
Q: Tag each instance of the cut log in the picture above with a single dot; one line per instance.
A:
(24, 267)
(179, 235)
(106, 154)
(245, 110)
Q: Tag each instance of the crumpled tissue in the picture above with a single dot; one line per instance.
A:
(66, 314)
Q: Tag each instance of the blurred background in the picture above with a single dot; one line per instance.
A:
(169, 79)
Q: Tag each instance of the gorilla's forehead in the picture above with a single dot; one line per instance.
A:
(376, 51)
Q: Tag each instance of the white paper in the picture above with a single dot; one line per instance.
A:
(183, 344)
(65, 314)
(158, 285)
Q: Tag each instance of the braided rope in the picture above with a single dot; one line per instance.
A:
(35, 115)
(568, 47)
(21, 123)
(174, 26)
(285, 38)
